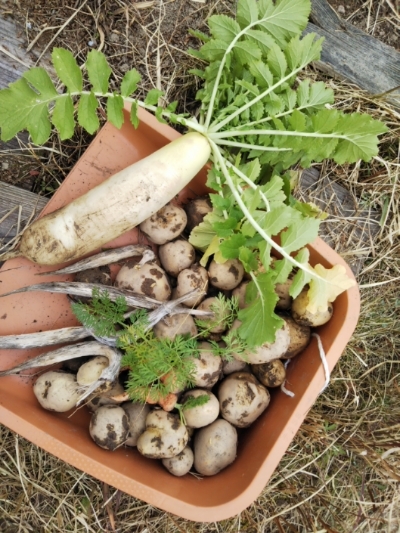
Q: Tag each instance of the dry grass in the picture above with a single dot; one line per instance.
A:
(341, 473)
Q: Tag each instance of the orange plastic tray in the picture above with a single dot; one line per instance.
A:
(66, 436)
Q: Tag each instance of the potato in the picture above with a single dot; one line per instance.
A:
(165, 436)
(189, 279)
(196, 210)
(299, 338)
(271, 374)
(226, 276)
(177, 255)
(303, 317)
(173, 325)
(90, 371)
(208, 367)
(109, 427)
(165, 225)
(201, 415)
(220, 321)
(56, 391)
(239, 292)
(242, 399)
(148, 279)
(137, 414)
(181, 463)
(215, 447)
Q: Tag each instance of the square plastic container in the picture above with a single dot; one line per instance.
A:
(261, 446)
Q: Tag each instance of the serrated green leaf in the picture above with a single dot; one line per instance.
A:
(277, 61)
(274, 221)
(284, 20)
(282, 268)
(223, 28)
(202, 235)
(274, 104)
(67, 69)
(63, 116)
(98, 71)
(212, 249)
(38, 124)
(297, 121)
(199, 35)
(299, 234)
(224, 228)
(134, 115)
(152, 96)
(265, 254)
(259, 321)
(247, 52)
(40, 80)
(130, 82)
(262, 39)
(115, 105)
(213, 50)
(87, 116)
(262, 74)
(229, 248)
(248, 259)
(247, 12)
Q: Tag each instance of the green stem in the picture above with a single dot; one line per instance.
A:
(229, 118)
(285, 133)
(218, 157)
(223, 142)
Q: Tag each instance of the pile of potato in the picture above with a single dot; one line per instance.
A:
(237, 389)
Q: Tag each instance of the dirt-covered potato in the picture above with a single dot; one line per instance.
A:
(190, 279)
(175, 256)
(137, 414)
(181, 463)
(268, 351)
(165, 436)
(196, 210)
(56, 391)
(239, 292)
(229, 367)
(201, 415)
(148, 279)
(218, 322)
(165, 225)
(282, 290)
(173, 325)
(299, 337)
(90, 371)
(271, 374)
(242, 399)
(215, 447)
(303, 317)
(208, 367)
(226, 276)
(109, 427)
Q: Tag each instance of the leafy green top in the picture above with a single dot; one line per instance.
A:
(259, 119)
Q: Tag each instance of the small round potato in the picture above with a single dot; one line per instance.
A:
(165, 436)
(56, 391)
(268, 351)
(148, 279)
(196, 210)
(202, 415)
(303, 317)
(271, 374)
(109, 427)
(181, 463)
(215, 447)
(173, 325)
(177, 255)
(217, 324)
(242, 399)
(90, 372)
(208, 367)
(165, 225)
(282, 290)
(239, 292)
(229, 367)
(137, 414)
(226, 276)
(190, 279)
(299, 338)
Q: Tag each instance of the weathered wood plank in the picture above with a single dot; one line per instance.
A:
(354, 55)
(350, 229)
(17, 207)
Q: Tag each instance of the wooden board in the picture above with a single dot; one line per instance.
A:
(351, 54)
(17, 207)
